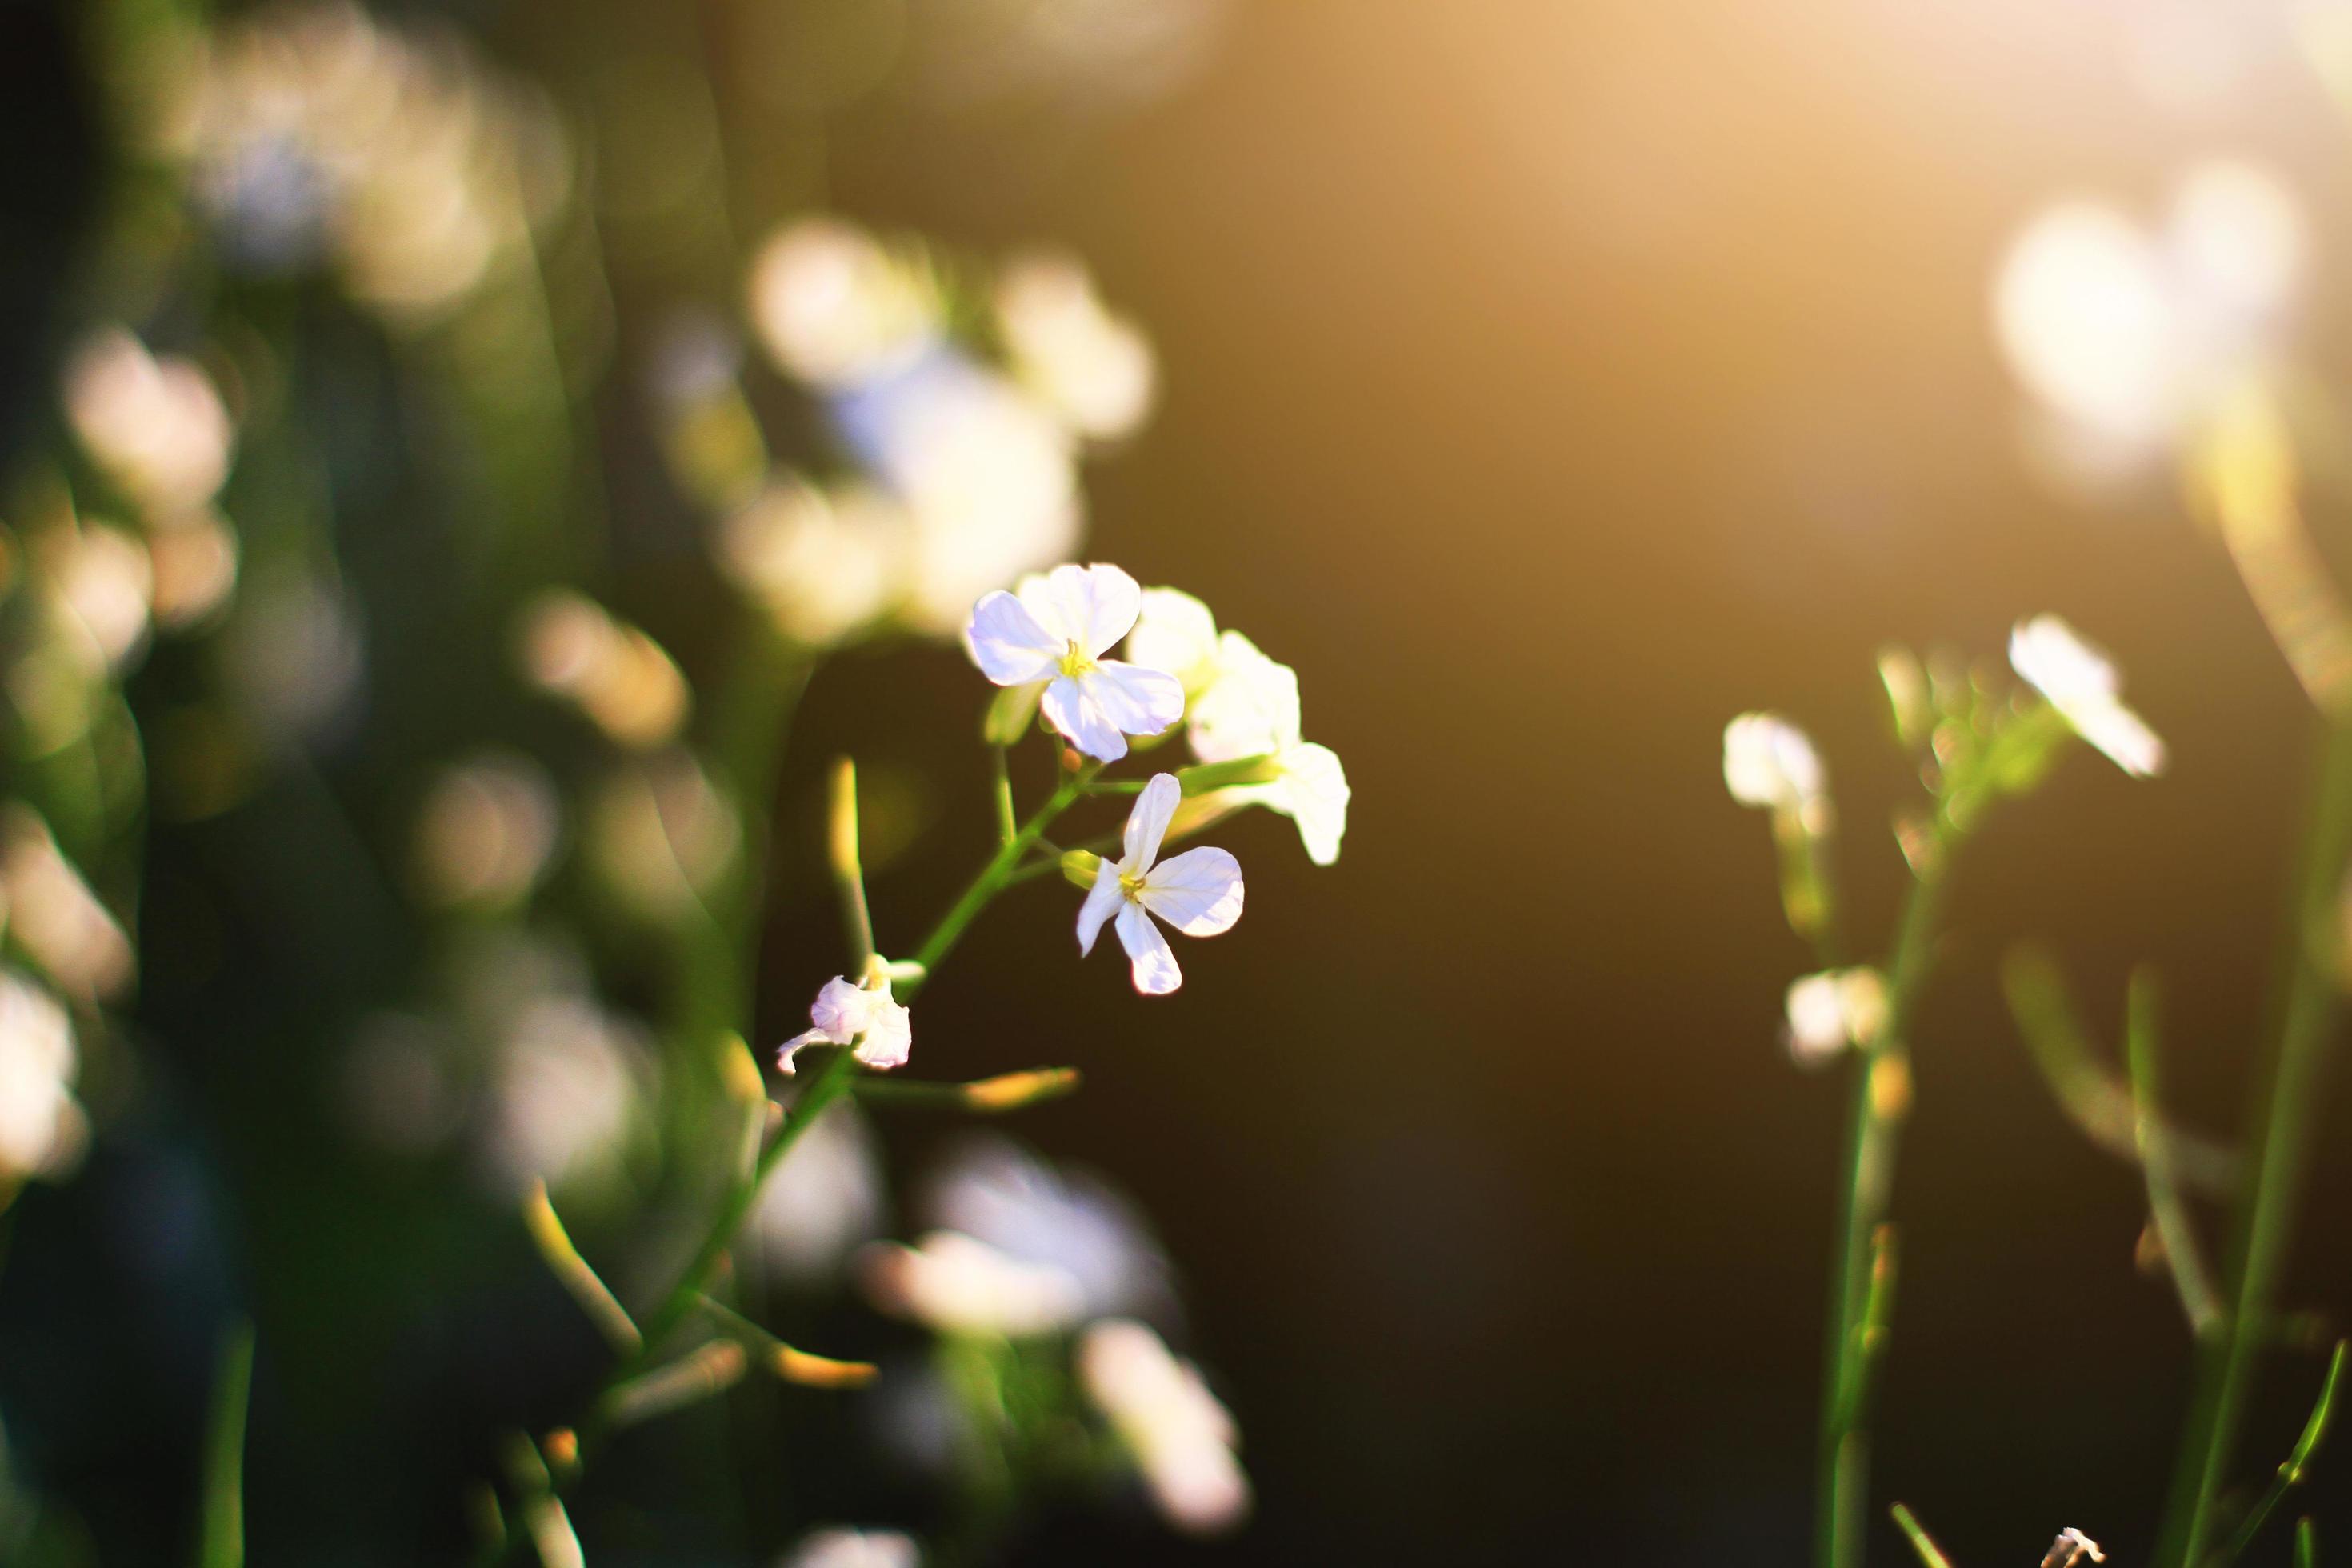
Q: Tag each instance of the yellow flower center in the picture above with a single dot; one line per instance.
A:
(1075, 662)
(1132, 886)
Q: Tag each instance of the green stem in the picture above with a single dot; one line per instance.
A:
(2279, 1148)
(1875, 1120)
(993, 879)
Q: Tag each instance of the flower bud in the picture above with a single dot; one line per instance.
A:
(1081, 866)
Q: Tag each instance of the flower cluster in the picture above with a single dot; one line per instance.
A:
(952, 455)
(1023, 1254)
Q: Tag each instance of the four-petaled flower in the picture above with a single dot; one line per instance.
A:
(1245, 704)
(1199, 892)
(1052, 634)
(2082, 684)
(869, 1020)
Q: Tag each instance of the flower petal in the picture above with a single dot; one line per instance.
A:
(840, 1010)
(1005, 640)
(1140, 701)
(1250, 709)
(1175, 632)
(1096, 605)
(1152, 961)
(791, 1047)
(1102, 902)
(1148, 822)
(1199, 892)
(889, 1033)
(1313, 792)
(1070, 707)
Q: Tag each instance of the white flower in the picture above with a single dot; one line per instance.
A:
(1093, 367)
(1199, 892)
(835, 306)
(990, 1190)
(155, 424)
(1181, 1438)
(42, 1128)
(1251, 709)
(1768, 761)
(1175, 632)
(826, 565)
(839, 1548)
(954, 1285)
(1056, 630)
(882, 1031)
(2082, 684)
(1835, 1009)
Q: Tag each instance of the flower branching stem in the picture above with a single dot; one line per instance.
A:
(826, 1084)
(1862, 1269)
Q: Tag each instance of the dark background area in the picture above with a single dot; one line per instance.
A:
(1546, 384)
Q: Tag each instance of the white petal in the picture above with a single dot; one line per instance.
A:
(1148, 822)
(1251, 708)
(2122, 734)
(1102, 902)
(1313, 792)
(1152, 961)
(792, 1048)
(840, 1010)
(1007, 643)
(1174, 631)
(1140, 701)
(1096, 605)
(889, 1033)
(1199, 892)
(1070, 707)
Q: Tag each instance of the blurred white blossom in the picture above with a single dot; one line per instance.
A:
(2083, 685)
(1834, 1010)
(842, 1548)
(615, 674)
(660, 834)
(156, 426)
(54, 917)
(563, 1093)
(987, 478)
(2128, 336)
(42, 1128)
(952, 1284)
(987, 1188)
(869, 1020)
(106, 582)
(318, 135)
(826, 564)
(823, 1201)
(1056, 631)
(1095, 369)
(1182, 1438)
(835, 307)
(1770, 763)
(1199, 892)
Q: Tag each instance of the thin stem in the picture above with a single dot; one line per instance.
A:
(2279, 1148)
(1921, 1542)
(993, 879)
(223, 1541)
(1881, 1097)
(2290, 1474)
(2183, 1259)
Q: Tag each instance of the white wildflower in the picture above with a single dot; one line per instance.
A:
(1199, 892)
(1832, 1010)
(1056, 631)
(1182, 1438)
(2083, 685)
(870, 1021)
(954, 1285)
